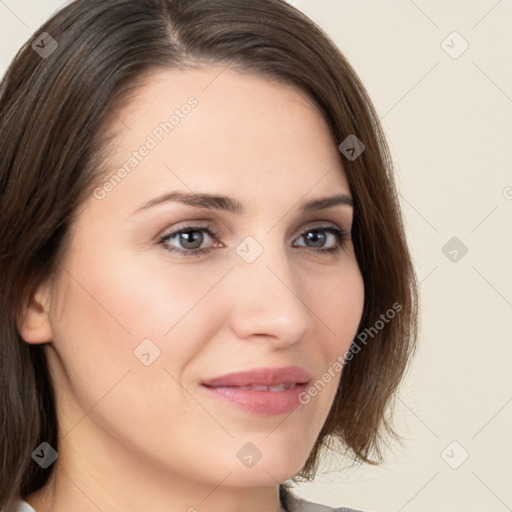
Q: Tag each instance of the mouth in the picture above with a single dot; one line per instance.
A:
(262, 392)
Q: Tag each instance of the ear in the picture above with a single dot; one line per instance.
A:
(35, 326)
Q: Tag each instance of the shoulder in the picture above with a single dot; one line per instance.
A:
(294, 504)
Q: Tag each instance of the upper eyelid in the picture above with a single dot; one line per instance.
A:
(214, 232)
(316, 223)
(189, 227)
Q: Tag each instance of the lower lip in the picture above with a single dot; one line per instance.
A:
(264, 403)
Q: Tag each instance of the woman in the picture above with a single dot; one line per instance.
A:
(206, 279)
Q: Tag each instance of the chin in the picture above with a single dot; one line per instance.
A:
(269, 470)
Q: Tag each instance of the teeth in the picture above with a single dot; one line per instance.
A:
(279, 387)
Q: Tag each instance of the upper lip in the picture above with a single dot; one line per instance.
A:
(261, 377)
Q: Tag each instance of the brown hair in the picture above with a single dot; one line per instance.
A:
(51, 110)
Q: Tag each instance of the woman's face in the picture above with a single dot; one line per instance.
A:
(138, 326)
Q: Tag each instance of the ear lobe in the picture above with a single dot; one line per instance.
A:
(35, 326)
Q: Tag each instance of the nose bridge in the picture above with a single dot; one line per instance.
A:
(268, 292)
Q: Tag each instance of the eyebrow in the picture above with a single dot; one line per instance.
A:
(231, 205)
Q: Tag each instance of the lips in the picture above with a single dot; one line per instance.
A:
(263, 378)
(262, 391)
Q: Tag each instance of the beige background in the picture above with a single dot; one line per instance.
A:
(449, 124)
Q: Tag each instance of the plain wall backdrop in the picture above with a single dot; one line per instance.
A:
(439, 73)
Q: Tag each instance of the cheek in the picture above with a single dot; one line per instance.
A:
(103, 313)
(140, 296)
(337, 302)
(351, 304)
(113, 310)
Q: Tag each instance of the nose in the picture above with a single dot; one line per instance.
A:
(269, 301)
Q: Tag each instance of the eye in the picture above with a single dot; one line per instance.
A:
(191, 238)
(319, 235)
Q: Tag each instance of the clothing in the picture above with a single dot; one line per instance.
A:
(289, 501)
(23, 506)
(294, 504)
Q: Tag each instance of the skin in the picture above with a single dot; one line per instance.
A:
(136, 437)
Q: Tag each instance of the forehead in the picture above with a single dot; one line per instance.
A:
(215, 128)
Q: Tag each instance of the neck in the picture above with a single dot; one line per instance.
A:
(89, 492)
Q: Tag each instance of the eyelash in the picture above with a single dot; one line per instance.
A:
(340, 234)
